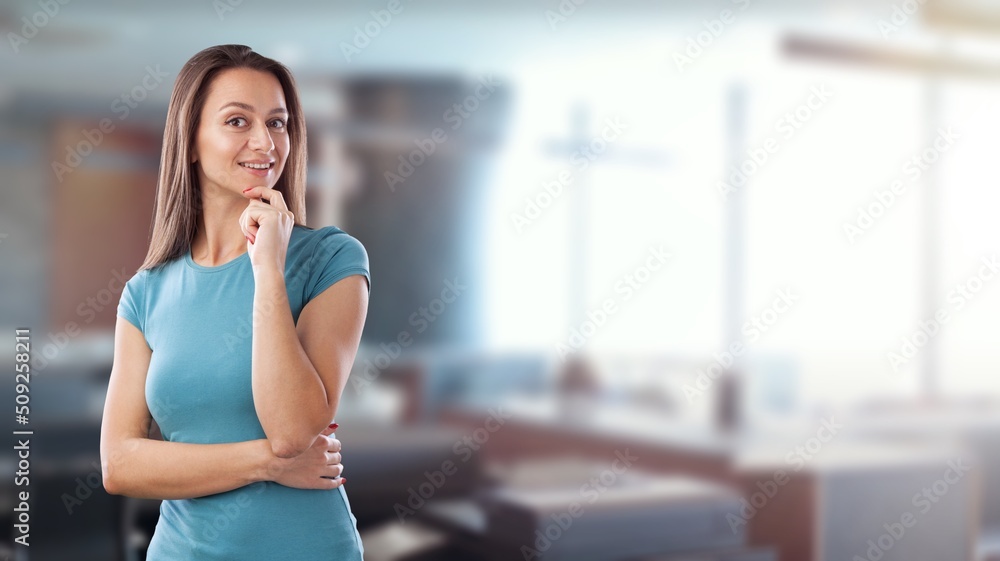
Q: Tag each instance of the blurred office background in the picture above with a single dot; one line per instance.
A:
(683, 280)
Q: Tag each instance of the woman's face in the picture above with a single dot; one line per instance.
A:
(242, 139)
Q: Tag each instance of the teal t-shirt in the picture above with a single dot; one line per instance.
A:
(198, 322)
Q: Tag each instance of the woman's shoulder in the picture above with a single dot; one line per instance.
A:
(322, 242)
(307, 232)
(328, 254)
(150, 275)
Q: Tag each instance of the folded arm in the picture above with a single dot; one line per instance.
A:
(300, 371)
(137, 466)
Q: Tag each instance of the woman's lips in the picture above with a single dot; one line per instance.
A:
(258, 172)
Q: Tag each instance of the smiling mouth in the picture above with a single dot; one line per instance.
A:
(259, 167)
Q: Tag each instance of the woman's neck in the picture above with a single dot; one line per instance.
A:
(219, 238)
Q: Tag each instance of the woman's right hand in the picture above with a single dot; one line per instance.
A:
(318, 467)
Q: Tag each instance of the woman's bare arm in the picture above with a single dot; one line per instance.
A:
(137, 466)
(299, 371)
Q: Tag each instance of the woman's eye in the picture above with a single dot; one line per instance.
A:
(278, 124)
(235, 119)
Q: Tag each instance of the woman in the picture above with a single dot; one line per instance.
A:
(238, 332)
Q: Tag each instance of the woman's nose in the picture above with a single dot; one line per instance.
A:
(260, 139)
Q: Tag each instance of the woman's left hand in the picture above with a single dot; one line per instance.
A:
(267, 227)
(335, 446)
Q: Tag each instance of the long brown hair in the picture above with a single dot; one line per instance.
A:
(178, 194)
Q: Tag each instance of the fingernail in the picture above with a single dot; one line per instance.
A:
(334, 426)
(247, 189)
(343, 480)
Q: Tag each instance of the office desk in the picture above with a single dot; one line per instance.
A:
(860, 499)
(542, 428)
(822, 511)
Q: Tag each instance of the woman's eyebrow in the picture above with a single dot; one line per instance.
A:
(248, 107)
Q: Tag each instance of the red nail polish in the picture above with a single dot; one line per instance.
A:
(343, 480)
(334, 426)
(247, 189)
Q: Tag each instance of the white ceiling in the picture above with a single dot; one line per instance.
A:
(99, 48)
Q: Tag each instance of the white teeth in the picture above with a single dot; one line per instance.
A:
(256, 166)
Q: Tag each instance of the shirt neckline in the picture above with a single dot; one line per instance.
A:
(228, 264)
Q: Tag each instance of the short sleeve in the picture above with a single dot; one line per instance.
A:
(131, 305)
(337, 255)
